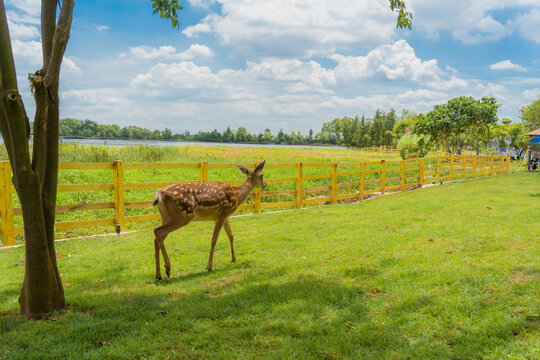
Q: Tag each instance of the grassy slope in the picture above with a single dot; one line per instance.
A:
(446, 272)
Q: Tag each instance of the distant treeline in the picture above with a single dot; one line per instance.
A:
(347, 131)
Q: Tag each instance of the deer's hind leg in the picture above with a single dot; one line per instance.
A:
(172, 223)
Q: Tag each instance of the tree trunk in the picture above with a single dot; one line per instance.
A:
(36, 180)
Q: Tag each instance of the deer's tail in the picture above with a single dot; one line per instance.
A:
(157, 198)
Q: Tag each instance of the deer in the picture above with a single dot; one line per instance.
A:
(181, 203)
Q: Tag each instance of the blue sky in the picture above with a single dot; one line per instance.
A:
(282, 64)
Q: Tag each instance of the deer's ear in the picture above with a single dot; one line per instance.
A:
(243, 169)
(259, 168)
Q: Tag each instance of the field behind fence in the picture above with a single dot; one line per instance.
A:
(117, 196)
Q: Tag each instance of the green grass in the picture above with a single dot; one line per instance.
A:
(447, 272)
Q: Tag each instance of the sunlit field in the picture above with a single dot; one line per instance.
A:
(446, 272)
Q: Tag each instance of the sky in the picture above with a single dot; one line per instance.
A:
(282, 64)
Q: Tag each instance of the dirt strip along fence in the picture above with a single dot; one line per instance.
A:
(108, 195)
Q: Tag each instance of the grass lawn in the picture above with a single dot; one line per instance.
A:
(446, 272)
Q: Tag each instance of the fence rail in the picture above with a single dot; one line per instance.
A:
(314, 183)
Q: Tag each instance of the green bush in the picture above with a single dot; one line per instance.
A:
(414, 145)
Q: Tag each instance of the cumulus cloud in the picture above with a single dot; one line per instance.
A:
(298, 28)
(182, 75)
(393, 62)
(471, 21)
(31, 7)
(202, 3)
(70, 69)
(22, 31)
(529, 25)
(169, 52)
(507, 65)
(28, 50)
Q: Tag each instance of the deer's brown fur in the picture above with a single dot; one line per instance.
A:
(181, 203)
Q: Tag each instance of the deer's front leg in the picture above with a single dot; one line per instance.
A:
(156, 254)
(215, 234)
(231, 238)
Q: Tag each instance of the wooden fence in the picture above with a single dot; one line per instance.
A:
(311, 183)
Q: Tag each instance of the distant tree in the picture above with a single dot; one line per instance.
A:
(461, 118)
(242, 135)
(228, 136)
(267, 137)
(166, 134)
(530, 115)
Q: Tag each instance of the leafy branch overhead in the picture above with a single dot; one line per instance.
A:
(404, 19)
(168, 9)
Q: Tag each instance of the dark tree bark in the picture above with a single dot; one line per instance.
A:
(35, 177)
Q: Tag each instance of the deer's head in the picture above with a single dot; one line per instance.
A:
(255, 177)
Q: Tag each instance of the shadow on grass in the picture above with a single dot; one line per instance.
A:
(304, 315)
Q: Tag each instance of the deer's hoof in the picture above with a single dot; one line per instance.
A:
(159, 278)
(209, 268)
(168, 271)
(233, 260)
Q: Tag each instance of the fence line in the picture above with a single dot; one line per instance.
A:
(355, 181)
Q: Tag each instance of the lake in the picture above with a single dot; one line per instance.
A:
(120, 142)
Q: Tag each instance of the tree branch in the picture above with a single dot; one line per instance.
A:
(60, 39)
(13, 120)
(48, 27)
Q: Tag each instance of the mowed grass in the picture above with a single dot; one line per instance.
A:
(446, 272)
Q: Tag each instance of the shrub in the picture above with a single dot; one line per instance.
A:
(414, 144)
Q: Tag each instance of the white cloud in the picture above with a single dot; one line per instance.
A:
(394, 62)
(195, 51)
(531, 94)
(182, 75)
(102, 28)
(70, 69)
(298, 28)
(192, 31)
(28, 50)
(507, 65)
(471, 21)
(202, 3)
(452, 84)
(169, 52)
(147, 52)
(22, 31)
(31, 7)
(529, 25)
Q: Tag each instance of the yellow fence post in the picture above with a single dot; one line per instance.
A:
(362, 181)
(203, 171)
(438, 178)
(383, 177)
(334, 183)
(402, 175)
(464, 171)
(491, 166)
(451, 170)
(421, 173)
(118, 188)
(475, 165)
(6, 206)
(299, 189)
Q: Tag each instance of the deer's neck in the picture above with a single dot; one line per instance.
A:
(242, 192)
